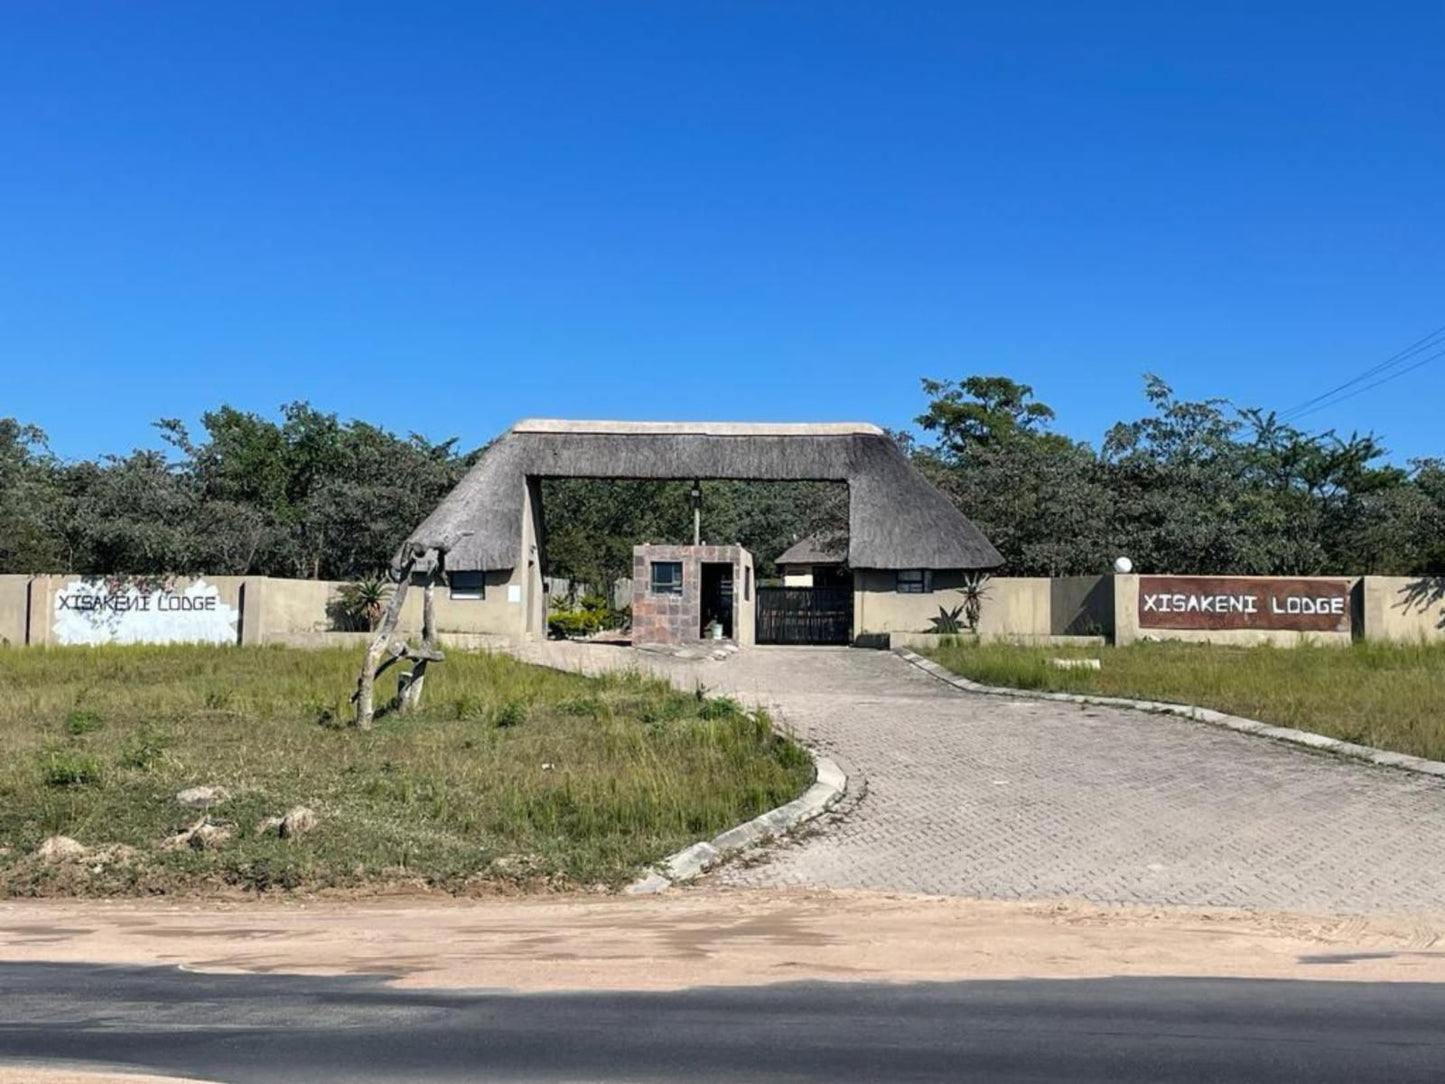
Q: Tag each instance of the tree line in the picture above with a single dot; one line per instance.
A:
(1189, 487)
(1199, 487)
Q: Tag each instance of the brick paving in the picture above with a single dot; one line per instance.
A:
(1002, 798)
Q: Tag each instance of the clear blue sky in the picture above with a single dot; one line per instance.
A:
(447, 217)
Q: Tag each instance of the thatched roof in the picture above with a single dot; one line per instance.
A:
(816, 549)
(896, 519)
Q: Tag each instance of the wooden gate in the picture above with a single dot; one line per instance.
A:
(805, 615)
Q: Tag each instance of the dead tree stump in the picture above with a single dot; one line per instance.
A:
(412, 689)
(365, 708)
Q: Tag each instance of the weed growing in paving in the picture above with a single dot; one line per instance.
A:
(510, 774)
(1384, 695)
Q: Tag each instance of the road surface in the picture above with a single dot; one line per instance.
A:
(278, 1029)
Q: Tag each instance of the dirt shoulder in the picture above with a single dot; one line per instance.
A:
(708, 938)
(38, 1074)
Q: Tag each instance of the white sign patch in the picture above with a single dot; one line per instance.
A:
(97, 612)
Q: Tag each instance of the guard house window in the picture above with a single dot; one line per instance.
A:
(467, 585)
(748, 584)
(667, 577)
(914, 581)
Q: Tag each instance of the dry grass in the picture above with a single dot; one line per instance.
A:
(1383, 695)
(511, 773)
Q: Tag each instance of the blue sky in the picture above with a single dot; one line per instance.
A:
(444, 217)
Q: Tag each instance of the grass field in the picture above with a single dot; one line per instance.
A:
(1388, 696)
(510, 775)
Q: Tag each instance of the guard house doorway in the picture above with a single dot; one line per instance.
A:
(717, 597)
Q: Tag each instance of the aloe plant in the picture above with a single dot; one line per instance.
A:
(975, 586)
(948, 622)
(363, 601)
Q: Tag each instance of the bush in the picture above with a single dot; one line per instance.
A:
(68, 768)
(570, 624)
(592, 614)
(719, 707)
(512, 713)
(82, 721)
(144, 750)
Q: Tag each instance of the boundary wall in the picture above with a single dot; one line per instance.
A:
(1064, 609)
(41, 610)
(264, 610)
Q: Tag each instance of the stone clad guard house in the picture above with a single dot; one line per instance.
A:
(678, 592)
(905, 538)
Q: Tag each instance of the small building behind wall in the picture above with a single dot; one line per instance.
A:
(678, 592)
(820, 560)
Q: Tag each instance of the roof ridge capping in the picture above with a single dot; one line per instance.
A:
(701, 429)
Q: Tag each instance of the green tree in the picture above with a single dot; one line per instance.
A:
(32, 502)
(1038, 496)
(980, 411)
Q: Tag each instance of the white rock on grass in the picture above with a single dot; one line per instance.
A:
(207, 837)
(204, 835)
(61, 849)
(297, 822)
(202, 797)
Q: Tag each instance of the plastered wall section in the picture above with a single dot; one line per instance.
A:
(1012, 606)
(303, 611)
(745, 601)
(14, 609)
(1404, 609)
(1127, 630)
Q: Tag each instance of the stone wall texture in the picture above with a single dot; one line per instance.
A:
(677, 619)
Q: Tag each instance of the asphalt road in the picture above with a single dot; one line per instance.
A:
(240, 1028)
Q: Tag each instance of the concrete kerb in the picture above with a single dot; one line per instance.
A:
(1383, 757)
(829, 783)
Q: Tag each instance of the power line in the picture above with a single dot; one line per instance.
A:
(1428, 342)
(1375, 384)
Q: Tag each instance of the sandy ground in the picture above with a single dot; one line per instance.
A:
(716, 937)
(34, 1074)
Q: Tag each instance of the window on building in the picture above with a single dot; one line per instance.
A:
(666, 577)
(467, 585)
(748, 584)
(914, 581)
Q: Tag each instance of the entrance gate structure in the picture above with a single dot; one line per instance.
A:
(490, 525)
(805, 615)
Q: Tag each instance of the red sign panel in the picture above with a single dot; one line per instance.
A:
(1238, 602)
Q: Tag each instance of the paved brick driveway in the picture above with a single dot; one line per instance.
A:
(1004, 798)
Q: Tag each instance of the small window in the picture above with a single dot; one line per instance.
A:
(667, 577)
(914, 581)
(467, 585)
(748, 584)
